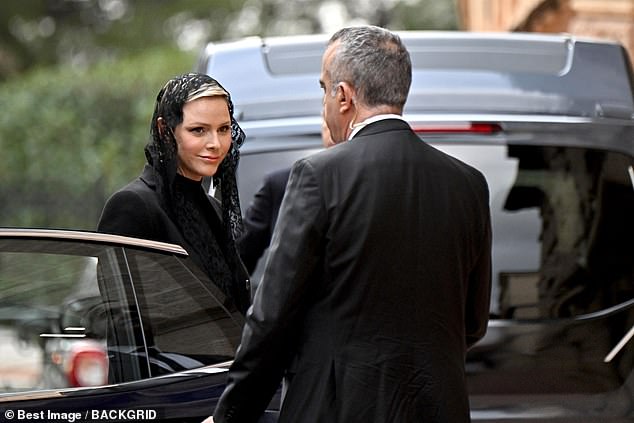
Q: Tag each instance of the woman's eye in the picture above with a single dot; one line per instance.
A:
(198, 130)
(224, 129)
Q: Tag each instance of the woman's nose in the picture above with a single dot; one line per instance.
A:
(212, 142)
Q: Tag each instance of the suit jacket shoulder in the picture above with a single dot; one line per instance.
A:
(260, 217)
(135, 210)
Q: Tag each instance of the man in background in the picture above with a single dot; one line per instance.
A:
(259, 219)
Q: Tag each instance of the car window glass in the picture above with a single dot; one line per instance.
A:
(562, 228)
(127, 360)
(51, 327)
(70, 315)
(184, 321)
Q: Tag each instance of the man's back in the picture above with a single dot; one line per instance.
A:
(405, 228)
(379, 273)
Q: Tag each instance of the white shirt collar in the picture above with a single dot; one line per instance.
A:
(360, 125)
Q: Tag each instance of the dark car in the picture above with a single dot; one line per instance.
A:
(549, 121)
(109, 327)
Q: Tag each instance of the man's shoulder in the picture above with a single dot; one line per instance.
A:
(330, 157)
(278, 175)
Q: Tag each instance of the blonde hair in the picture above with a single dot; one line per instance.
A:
(207, 90)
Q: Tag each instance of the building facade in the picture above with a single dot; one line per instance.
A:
(606, 19)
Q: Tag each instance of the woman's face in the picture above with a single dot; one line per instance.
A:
(204, 137)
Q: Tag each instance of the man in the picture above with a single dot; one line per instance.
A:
(379, 275)
(260, 217)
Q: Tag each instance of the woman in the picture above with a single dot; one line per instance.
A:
(193, 135)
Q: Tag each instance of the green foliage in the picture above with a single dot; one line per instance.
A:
(70, 138)
(48, 32)
(71, 135)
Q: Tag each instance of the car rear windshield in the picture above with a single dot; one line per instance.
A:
(562, 227)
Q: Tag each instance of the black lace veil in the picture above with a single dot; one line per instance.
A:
(187, 203)
(161, 151)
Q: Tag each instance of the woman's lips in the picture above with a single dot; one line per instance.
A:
(210, 158)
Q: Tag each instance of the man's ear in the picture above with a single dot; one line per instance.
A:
(345, 96)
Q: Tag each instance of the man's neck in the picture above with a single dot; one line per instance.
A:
(364, 113)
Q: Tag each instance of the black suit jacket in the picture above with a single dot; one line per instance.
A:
(377, 284)
(259, 219)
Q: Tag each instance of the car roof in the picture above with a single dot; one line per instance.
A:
(453, 72)
(63, 234)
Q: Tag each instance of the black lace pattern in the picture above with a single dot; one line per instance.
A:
(217, 251)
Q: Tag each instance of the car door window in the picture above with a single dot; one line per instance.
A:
(87, 314)
(50, 339)
(185, 323)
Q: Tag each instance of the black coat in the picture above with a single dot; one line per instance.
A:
(135, 210)
(260, 217)
(377, 284)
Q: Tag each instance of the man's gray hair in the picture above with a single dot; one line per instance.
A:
(375, 62)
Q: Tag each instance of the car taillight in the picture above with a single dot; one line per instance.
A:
(88, 368)
(457, 128)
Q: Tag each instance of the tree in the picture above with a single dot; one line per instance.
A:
(47, 32)
(78, 79)
(69, 138)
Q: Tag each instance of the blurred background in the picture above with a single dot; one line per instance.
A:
(78, 78)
